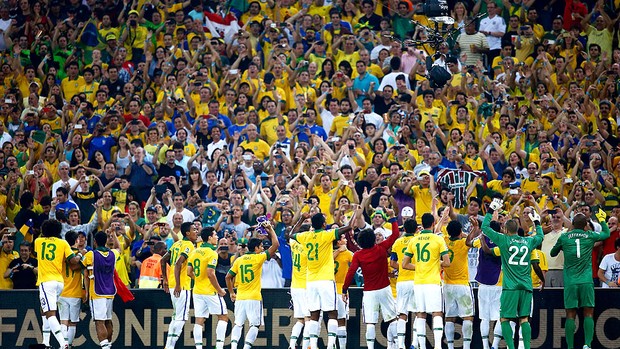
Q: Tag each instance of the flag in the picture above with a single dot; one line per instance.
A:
(457, 181)
(26, 230)
(122, 290)
(221, 27)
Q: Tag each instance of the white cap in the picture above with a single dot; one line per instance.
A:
(406, 212)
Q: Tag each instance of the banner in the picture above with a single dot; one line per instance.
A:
(143, 322)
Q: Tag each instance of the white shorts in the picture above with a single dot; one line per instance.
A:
(69, 308)
(405, 300)
(458, 300)
(251, 310)
(205, 305)
(101, 308)
(428, 298)
(342, 307)
(300, 303)
(488, 302)
(181, 305)
(321, 295)
(49, 292)
(377, 301)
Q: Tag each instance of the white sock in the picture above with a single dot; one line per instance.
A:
(71, 334)
(313, 330)
(295, 332)
(450, 334)
(420, 324)
(437, 330)
(342, 337)
(468, 332)
(220, 334)
(250, 337)
(332, 328)
(305, 343)
(390, 338)
(56, 330)
(485, 326)
(198, 336)
(401, 331)
(393, 332)
(497, 334)
(521, 345)
(65, 333)
(414, 335)
(235, 336)
(104, 343)
(176, 328)
(46, 331)
(370, 336)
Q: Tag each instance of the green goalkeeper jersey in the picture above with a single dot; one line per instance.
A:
(515, 252)
(577, 245)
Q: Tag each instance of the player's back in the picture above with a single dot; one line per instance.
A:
(72, 281)
(201, 259)
(341, 267)
(398, 252)
(180, 248)
(51, 254)
(426, 250)
(577, 246)
(248, 270)
(458, 272)
(320, 253)
(300, 265)
(516, 254)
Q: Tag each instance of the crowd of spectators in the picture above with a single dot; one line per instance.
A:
(134, 116)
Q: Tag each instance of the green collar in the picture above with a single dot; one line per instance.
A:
(426, 231)
(103, 249)
(206, 244)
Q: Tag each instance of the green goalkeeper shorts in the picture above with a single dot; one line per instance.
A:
(515, 304)
(579, 296)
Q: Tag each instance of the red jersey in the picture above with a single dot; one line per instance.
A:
(374, 263)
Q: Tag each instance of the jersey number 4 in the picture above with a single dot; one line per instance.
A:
(514, 251)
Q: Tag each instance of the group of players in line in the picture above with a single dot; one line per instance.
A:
(433, 278)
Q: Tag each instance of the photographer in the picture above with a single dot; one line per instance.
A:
(23, 270)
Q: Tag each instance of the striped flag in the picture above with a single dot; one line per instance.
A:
(221, 26)
(457, 181)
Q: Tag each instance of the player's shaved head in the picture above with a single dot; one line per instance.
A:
(580, 221)
(512, 226)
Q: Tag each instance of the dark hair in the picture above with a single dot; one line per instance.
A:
(253, 243)
(318, 221)
(427, 220)
(51, 228)
(186, 227)
(71, 237)
(101, 238)
(454, 229)
(410, 226)
(580, 221)
(206, 233)
(366, 238)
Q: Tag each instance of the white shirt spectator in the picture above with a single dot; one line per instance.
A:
(611, 266)
(493, 24)
(188, 216)
(272, 274)
(390, 79)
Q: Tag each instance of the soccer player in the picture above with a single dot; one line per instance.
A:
(489, 281)
(208, 295)
(177, 257)
(99, 266)
(377, 291)
(516, 251)
(577, 245)
(246, 273)
(342, 262)
(52, 252)
(320, 284)
(70, 300)
(458, 296)
(405, 302)
(430, 254)
(298, 295)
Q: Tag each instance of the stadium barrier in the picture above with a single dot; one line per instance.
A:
(143, 323)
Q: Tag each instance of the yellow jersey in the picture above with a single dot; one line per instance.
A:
(426, 250)
(52, 253)
(341, 268)
(247, 270)
(180, 248)
(201, 259)
(398, 252)
(70, 87)
(423, 201)
(538, 255)
(300, 265)
(72, 280)
(320, 252)
(5, 260)
(89, 259)
(458, 273)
